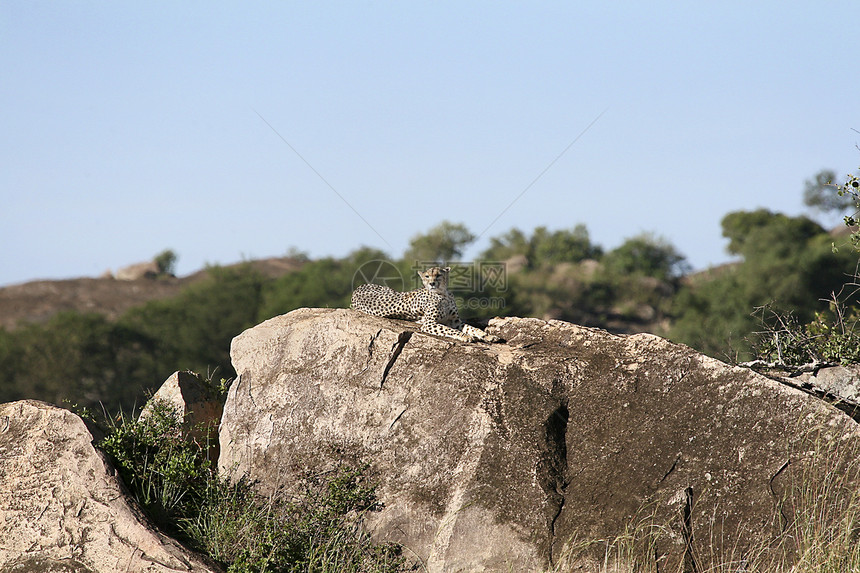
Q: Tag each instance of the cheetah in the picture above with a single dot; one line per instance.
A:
(433, 307)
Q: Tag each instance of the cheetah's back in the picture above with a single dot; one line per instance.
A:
(380, 300)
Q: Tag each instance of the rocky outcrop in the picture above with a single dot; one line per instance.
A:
(503, 457)
(839, 385)
(148, 270)
(842, 382)
(63, 509)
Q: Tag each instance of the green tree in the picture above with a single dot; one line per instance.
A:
(166, 262)
(833, 336)
(714, 314)
(570, 278)
(649, 255)
(787, 262)
(322, 283)
(544, 247)
(325, 283)
(83, 358)
(822, 194)
(763, 233)
(562, 246)
(512, 243)
(444, 242)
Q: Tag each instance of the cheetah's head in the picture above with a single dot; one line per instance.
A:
(435, 278)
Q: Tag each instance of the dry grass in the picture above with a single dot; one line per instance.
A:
(818, 521)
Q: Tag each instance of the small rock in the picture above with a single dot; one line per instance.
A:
(841, 382)
(194, 403)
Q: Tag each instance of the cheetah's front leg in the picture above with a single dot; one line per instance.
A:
(438, 329)
(472, 331)
(479, 334)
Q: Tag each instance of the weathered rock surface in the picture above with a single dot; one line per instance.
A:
(62, 508)
(500, 457)
(838, 384)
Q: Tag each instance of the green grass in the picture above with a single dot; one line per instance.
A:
(316, 529)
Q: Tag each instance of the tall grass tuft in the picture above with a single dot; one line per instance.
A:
(818, 521)
(825, 507)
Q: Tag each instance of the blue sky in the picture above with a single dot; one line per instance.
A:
(132, 127)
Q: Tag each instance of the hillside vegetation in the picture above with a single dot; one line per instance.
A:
(789, 281)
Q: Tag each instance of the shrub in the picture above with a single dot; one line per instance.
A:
(317, 530)
(314, 529)
(166, 262)
(166, 473)
(832, 337)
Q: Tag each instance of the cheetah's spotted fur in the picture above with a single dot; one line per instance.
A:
(433, 307)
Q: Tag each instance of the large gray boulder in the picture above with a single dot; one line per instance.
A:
(504, 457)
(62, 508)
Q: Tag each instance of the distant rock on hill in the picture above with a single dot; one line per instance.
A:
(504, 457)
(148, 270)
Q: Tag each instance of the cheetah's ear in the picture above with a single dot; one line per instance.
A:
(447, 269)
